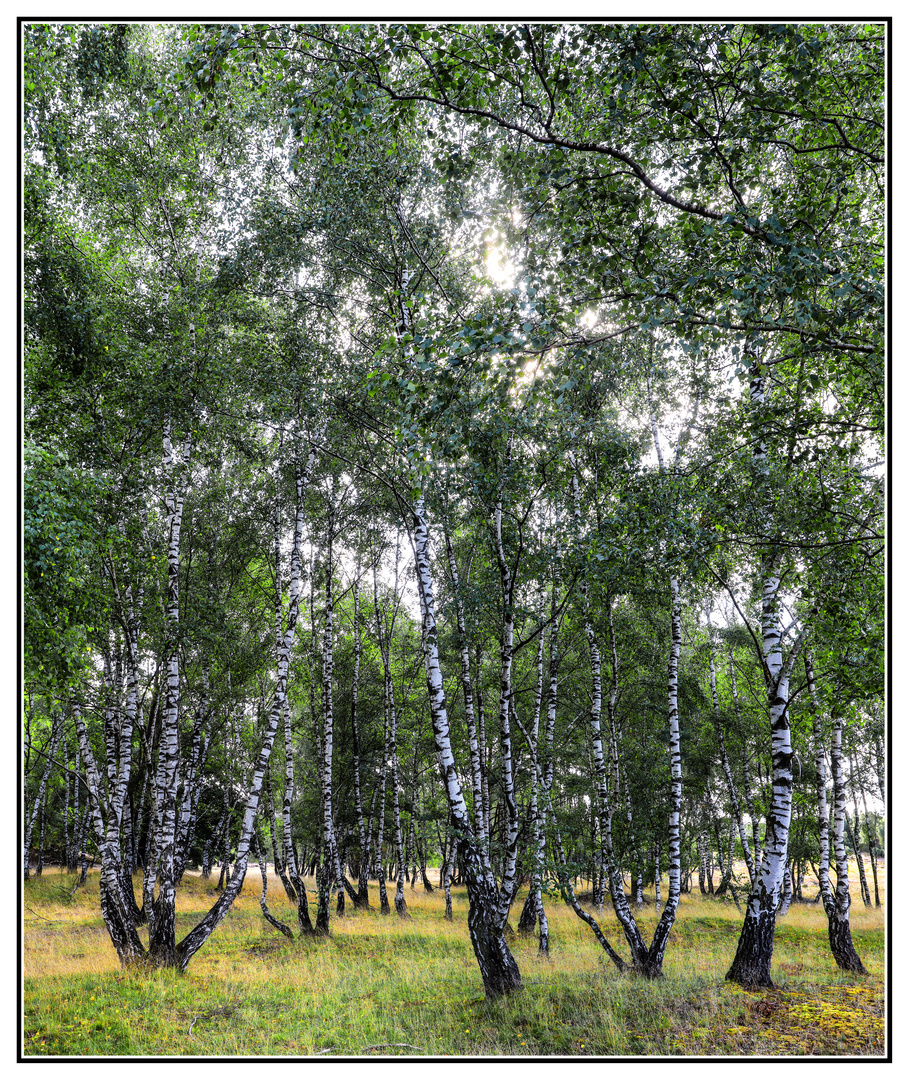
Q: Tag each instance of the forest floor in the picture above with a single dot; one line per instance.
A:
(382, 986)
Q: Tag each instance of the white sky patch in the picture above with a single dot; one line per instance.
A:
(499, 267)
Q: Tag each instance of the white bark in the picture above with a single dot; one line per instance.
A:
(203, 930)
(823, 817)
(507, 577)
(476, 771)
(176, 464)
(435, 685)
(329, 842)
(56, 727)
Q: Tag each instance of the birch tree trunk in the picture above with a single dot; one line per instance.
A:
(544, 771)
(201, 932)
(162, 932)
(107, 796)
(647, 961)
(117, 913)
(67, 846)
(547, 763)
(268, 806)
(263, 897)
(880, 764)
(604, 811)
(362, 898)
(836, 906)
(384, 906)
(533, 906)
(872, 844)
(83, 846)
(484, 761)
(291, 861)
(854, 829)
(476, 770)
(74, 855)
(446, 885)
(385, 638)
(620, 774)
(332, 869)
(56, 727)
(498, 968)
(565, 883)
(508, 577)
(186, 825)
(285, 865)
(654, 963)
(751, 964)
(400, 902)
(422, 848)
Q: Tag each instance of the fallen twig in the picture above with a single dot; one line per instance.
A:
(222, 1010)
(37, 916)
(379, 1046)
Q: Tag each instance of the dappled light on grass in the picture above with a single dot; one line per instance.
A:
(378, 981)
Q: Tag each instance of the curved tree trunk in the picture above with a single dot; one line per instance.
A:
(201, 932)
(872, 845)
(498, 968)
(263, 898)
(854, 827)
(565, 882)
(269, 810)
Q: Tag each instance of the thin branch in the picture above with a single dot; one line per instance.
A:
(757, 644)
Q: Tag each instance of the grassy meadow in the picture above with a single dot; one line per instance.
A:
(381, 986)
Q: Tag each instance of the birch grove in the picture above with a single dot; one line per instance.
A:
(350, 542)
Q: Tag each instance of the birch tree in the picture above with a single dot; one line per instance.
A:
(836, 906)
(751, 965)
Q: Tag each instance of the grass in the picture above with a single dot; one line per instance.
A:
(378, 981)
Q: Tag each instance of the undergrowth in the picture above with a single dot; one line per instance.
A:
(379, 986)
